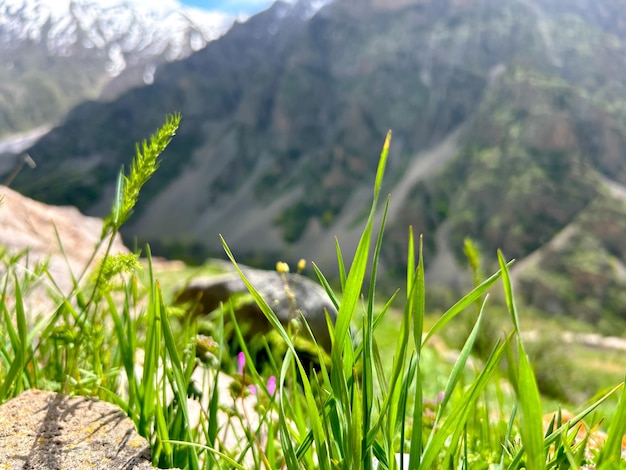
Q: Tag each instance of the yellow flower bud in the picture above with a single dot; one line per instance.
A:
(301, 265)
(282, 267)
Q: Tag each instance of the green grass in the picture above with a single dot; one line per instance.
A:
(387, 389)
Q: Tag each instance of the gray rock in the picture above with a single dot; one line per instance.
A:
(47, 431)
(286, 294)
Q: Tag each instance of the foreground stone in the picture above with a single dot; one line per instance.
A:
(48, 431)
(286, 294)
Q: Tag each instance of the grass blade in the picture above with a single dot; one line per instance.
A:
(530, 406)
(316, 419)
(19, 344)
(354, 281)
(458, 307)
(368, 355)
(326, 285)
(180, 384)
(611, 452)
(454, 423)
(418, 304)
(340, 265)
(459, 366)
(527, 390)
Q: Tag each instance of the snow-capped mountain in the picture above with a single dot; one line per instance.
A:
(55, 54)
(123, 32)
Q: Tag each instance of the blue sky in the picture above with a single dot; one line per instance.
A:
(235, 7)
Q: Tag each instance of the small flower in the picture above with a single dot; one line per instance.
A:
(252, 389)
(271, 385)
(301, 265)
(241, 363)
(206, 349)
(282, 267)
(206, 344)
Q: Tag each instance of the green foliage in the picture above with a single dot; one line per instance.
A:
(581, 275)
(36, 89)
(295, 218)
(364, 414)
(611, 453)
(365, 409)
(525, 386)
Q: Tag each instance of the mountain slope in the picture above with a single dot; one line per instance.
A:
(314, 85)
(509, 117)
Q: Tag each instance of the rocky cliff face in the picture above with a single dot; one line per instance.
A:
(508, 120)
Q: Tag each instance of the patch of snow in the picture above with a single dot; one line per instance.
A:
(116, 60)
(148, 74)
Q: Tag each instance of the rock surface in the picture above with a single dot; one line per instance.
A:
(44, 431)
(286, 294)
(30, 225)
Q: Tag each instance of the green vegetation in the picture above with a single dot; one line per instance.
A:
(36, 89)
(375, 403)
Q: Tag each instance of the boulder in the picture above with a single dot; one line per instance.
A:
(286, 294)
(30, 225)
(48, 431)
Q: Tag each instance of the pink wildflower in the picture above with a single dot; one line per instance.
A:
(241, 363)
(271, 385)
